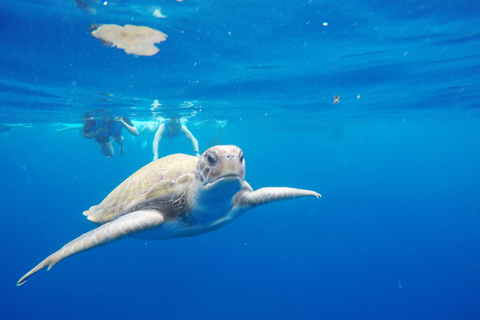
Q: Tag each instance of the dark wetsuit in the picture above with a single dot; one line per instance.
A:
(103, 130)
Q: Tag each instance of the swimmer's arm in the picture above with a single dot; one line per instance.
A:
(78, 127)
(130, 128)
(88, 135)
(192, 139)
(156, 140)
(23, 125)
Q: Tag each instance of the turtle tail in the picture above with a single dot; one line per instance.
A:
(117, 229)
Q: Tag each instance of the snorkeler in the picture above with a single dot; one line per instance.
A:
(5, 127)
(217, 140)
(102, 125)
(170, 129)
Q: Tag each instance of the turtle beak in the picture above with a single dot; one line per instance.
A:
(231, 165)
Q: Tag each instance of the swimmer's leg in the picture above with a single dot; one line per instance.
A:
(218, 134)
(119, 140)
(106, 148)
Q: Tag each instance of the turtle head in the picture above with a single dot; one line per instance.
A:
(219, 176)
(219, 165)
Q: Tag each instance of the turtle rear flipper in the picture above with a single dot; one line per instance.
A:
(126, 225)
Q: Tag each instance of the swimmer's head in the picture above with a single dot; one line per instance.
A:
(173, 124)
(108, 118)
(104, 115)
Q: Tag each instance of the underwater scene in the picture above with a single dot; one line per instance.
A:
(205, 159)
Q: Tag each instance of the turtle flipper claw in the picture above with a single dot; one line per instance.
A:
(124, 226)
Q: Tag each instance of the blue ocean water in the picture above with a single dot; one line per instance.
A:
(396, 234)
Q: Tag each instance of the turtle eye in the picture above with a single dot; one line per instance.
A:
(241, 158)
(211, 159)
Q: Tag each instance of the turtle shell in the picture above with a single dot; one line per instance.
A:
(166, 179)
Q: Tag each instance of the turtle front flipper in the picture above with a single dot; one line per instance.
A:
(117, 229)
(263, 196)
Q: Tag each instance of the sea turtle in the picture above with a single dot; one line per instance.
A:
(175, 196)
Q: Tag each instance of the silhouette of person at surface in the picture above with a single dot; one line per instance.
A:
(217, 140)
(101, 125)
(170, 129)
(5, 127)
